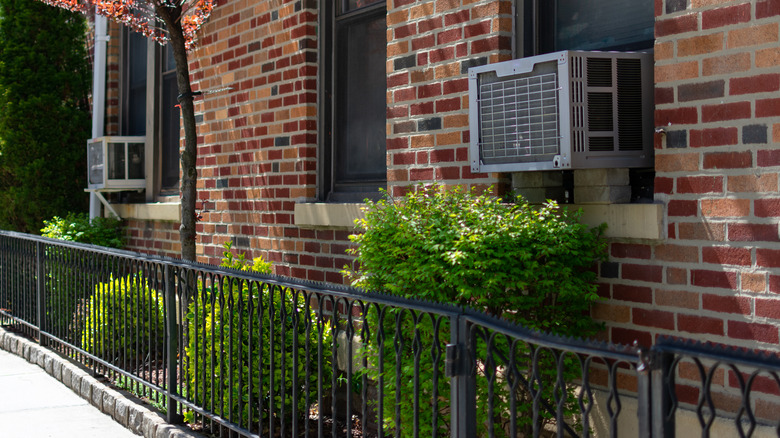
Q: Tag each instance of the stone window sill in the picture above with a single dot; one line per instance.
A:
(627, 221)
(157, 211)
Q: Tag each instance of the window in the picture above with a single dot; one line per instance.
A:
(353, 57)
(148, 78)
(170, 131)
(546, 26)
(133, 121)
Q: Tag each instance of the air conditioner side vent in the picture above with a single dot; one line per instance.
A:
(578, 141)
(599, 72)
(629, 97)
(576, 68)
(600, 113)
(601, 144)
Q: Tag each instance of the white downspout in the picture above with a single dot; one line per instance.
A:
(98, 94)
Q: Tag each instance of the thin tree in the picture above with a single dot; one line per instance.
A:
(175, 22)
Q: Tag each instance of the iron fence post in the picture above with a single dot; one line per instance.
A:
(40, 295)
(663, 425)
(654, 383)
(644, 393)
(172, 347)
(463, 396)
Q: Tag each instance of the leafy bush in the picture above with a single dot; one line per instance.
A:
(125, 321)
(227, 313)
(63, 292)
(526, 264)
(77, 227)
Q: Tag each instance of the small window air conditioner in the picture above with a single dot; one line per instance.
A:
(116, 163)
(563, 110)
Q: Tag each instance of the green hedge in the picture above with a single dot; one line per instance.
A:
(532, 265)
(125, 321)
(221, 314)
(78, 227)
(65, 287)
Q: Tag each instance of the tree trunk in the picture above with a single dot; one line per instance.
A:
(189, 156)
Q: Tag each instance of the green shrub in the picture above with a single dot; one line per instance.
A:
(63, 290)
(215, 318)
(529, 265)
(125, 321)
(77, 227)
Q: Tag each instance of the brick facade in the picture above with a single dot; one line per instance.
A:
(713, 277)
(716, 274)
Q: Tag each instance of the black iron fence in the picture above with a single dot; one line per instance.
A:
(238, 353)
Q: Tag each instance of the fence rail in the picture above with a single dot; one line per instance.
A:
(240, 353)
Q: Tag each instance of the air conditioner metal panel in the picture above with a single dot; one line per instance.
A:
(562, 110)
(116, 163)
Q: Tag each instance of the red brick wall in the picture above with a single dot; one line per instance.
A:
(258, 141)
(431, 45)
(716, 276)
(159, 238)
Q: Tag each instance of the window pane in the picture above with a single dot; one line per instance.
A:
(359, 152)
(135, 119)
(135, 167)
(116, 161)
(169, 165)
(604, 25)
(351, 5)
(169, 62)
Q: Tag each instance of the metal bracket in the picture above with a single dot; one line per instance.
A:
(104, 201)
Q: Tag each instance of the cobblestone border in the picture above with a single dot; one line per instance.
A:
(137, 418)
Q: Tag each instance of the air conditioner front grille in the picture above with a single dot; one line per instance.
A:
(519, 118)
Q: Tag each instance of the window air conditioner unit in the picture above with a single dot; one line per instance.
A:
(116, 163)
(563, 110)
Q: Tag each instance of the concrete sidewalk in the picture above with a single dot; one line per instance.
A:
(44, 395)
(33, 404)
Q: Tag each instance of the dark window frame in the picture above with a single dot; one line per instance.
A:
(333, 186)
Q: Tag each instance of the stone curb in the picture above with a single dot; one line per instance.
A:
(125, 411)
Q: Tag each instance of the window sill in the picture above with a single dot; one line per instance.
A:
(327, 215)
(626, 221)
(158, 211)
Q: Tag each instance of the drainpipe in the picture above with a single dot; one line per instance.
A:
(98, 94)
